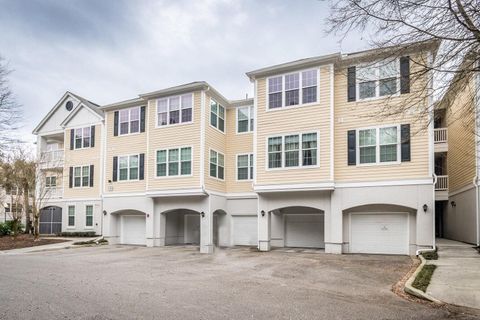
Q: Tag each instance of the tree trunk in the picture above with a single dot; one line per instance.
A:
(36, 231)
(26, 206)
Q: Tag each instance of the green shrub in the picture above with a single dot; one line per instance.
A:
(4, 229)
(11, 227)
(77, 234)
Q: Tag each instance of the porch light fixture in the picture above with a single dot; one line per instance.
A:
(202, 214)
(263, 213)
(425, 208)
(453, 204)
(104, 212)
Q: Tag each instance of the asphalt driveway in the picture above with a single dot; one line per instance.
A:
(122, 282)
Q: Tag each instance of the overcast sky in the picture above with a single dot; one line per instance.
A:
(108, 51)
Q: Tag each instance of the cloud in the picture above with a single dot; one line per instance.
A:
(112, 50)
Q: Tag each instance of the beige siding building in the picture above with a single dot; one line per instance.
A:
(306, 162)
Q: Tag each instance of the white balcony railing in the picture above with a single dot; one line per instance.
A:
(52, 159)
(442, 183)
(440, 135)
(53, 192)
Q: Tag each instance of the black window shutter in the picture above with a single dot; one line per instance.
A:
(115, 168)
(142, 119)
(352, 87)
(92, 136)
(405, 74)
(70, 177)
(141, 174)
(91, 175)
(115, 123)
(352, 148)
(72, 138)
(405, 136)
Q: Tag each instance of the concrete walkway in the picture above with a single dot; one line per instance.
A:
(457, 277)
(54, 246)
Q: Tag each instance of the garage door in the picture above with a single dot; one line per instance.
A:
(379, 233)
(133, 230)
(304, 230)
(245, 230)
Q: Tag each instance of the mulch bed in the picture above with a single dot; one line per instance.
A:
(24, 241)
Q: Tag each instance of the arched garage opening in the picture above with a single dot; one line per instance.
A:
(50, 221)
(131, 227)
(182, 226)
(379, 229)
(298, 227)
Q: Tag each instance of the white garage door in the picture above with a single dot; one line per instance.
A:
(379, 233)
(133, 230)
(304, 230)
(245, 230)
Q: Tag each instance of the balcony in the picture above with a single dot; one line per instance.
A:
(441, 188)
(440, 139)
(51, 159)
(53, 193)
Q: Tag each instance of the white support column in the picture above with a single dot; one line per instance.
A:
(334, 224)
(264, 222)
(206, 232)
(150, 223)
(162, 222)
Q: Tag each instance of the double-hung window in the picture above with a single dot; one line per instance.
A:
(71, 216)
(217, 115)
(81, 176)
(88, 216)
(174, 162)
(51, 182)
(174, 110)
(245, 119)
(129, 120)
(128, 167)
(293, 89)
(217, 164)
(379, 79)
(82, 137)
(378, 145)
(245, 166)
(275, 92)
(293, 150)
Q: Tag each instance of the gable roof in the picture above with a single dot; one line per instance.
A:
(81, 105)
(92, 106)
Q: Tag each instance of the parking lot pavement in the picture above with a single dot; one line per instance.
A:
(127, 282)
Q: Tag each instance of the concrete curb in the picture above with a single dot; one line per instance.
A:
(70, 243)
(415, 292)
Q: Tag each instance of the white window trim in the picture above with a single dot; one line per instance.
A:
(168, 113)
(377, 147)
(224, 164)
(93, 216)
(74, 214)
(283, 167)
(130, 122)
(251, 114)
(218, 117)
(51, 187)
(74, 137)
(179, 162)
(249, 164)
(81, 177)
(284, 107)
(118, 167)
(377, 80)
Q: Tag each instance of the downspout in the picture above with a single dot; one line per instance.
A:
(475, 183)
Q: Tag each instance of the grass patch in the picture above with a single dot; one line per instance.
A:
(430, 255)
(422, 280)
(91, 242)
